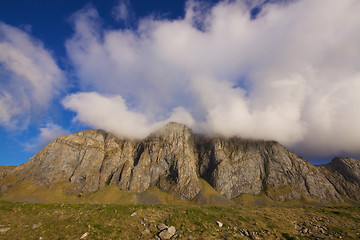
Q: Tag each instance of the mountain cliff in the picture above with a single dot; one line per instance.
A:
(176, 160)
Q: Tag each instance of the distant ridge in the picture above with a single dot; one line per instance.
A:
(174, 160)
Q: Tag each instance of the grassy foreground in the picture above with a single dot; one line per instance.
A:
(110, 221)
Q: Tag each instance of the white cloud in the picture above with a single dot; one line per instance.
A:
(121, 11)
(30, 78)
(112, 114)
(292, 74)
(47, 134)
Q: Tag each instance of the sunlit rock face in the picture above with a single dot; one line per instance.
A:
(344, 175)
(173, 159)
(236, 166)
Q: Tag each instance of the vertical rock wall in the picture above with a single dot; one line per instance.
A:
(173, 158)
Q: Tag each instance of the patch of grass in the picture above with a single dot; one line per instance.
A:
(109, 195)
(112, 221)
(155, 195)
(108, 216)
(27, 191)
(260, 200)
(209, 196)
(288, 237)
(342, 213)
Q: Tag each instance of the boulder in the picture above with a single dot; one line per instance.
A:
(167, 233)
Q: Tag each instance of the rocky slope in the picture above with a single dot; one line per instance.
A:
(5, 170)
(173, 159)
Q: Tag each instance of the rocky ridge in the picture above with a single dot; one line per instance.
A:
(173, 159)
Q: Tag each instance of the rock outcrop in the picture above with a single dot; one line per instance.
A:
(5, 170)
(173, 159)
(344, 175)
(236, 166)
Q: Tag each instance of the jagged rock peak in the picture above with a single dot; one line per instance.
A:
(173, 129)
(344, 160)
(88, 135)
(349, 168)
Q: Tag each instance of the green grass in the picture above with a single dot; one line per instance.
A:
(114, 221)
(106, 214)
(65, 192)
(109, 195)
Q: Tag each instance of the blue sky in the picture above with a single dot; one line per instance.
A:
(282, 70)
(49, 22)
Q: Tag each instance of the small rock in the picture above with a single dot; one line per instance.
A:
(145, 219)
(167, 233)
(84, 235)
(145, 231)
(25, 226)
(220, 224)
(133, 214)
(304, 230)
(4, 229)
(177, 235)
(191, 238)
(34, 226)
(162, 226)
(317, 236)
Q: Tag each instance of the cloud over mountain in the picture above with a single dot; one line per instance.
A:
(94, 109)
(291, 74)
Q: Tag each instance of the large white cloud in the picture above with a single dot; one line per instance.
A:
(112, 114)
(292, 74)
(29, 77)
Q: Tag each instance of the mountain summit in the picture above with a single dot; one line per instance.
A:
(177, 161)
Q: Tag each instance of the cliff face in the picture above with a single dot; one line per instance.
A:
(236, 166)
(173, 158)
(344, 175)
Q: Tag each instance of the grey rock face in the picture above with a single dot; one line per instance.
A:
(344, 175)
(93, 158)
(231, 166)
(76, 158)
(236, 166)
(173, 158)
(349, 168)
(167, 159)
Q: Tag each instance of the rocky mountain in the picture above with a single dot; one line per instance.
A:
(177, 161)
